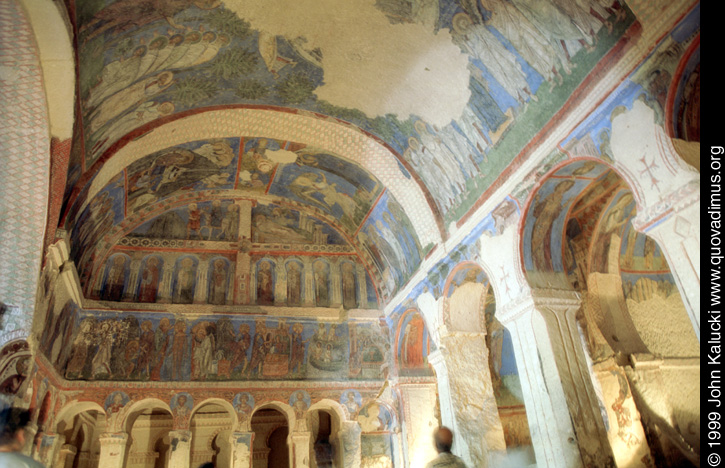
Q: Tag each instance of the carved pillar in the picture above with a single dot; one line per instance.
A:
(448, 419)
(678, 236)
(350, 436)
(84, 460)
(201, 282)
(166, 283)
(668, 196)
(30, 432)
(552, 433)
(335, 285)
(179, 450)
(132, 286)
(241, 448)
(113, 449)
(362, 286)
(419, 421)
(300, 447)
(309, 279)
(66, 456)
(48, 448)
(548, 343)
(280, 283)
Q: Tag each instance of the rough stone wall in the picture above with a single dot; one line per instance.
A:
(474, 403)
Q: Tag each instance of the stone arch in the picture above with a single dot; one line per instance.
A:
(72, 409)
(283, 124)
(15, 369)
(332, 406)
(132, 410)
(217, 401)
(455, 300)
(572, 239)
(337, 417)
(578, 234)
(688, 62)
(282, 407)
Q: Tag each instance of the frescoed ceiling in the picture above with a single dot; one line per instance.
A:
(383, 121)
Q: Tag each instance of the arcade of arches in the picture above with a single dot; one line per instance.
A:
(231, 236)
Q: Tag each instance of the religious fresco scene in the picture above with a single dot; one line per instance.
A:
(160, 347)
(309, 234)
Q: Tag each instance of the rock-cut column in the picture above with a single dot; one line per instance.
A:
(113, 450)
(350, 436)
(180, 449)
(241, 448)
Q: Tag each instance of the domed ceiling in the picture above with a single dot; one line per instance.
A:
(269, 129)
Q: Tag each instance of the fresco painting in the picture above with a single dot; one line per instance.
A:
(116, 277)
(352, 401)
(649, 83)
(163, 347)
(548, 213)
(327, 183)
(243, 404)
(56, 336)
(160, 190)
(387, 236)
(273, 223)
(106, 210)
(413, 345)
(216, 220)
(375, 417)
(149, 278)
(376, 450)
(144, 66)
(199, 165)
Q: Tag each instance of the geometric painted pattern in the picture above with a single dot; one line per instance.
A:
(24, 170)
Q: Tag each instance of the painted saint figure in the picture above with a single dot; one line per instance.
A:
(294, 284)
(218, 283)
(149, 281)
(349, 286)
(413, 342)
(185, 281)
(116, 279)
(322, 298)
(178, 350)
(265, 284)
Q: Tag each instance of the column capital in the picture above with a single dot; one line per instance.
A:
(436, 360)
(350, 436)
(241, 447)
(68, 448)
(676, 201)
(544, 300)
(182, 434)
(113, 438)
(349, 427)
(113, 449)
